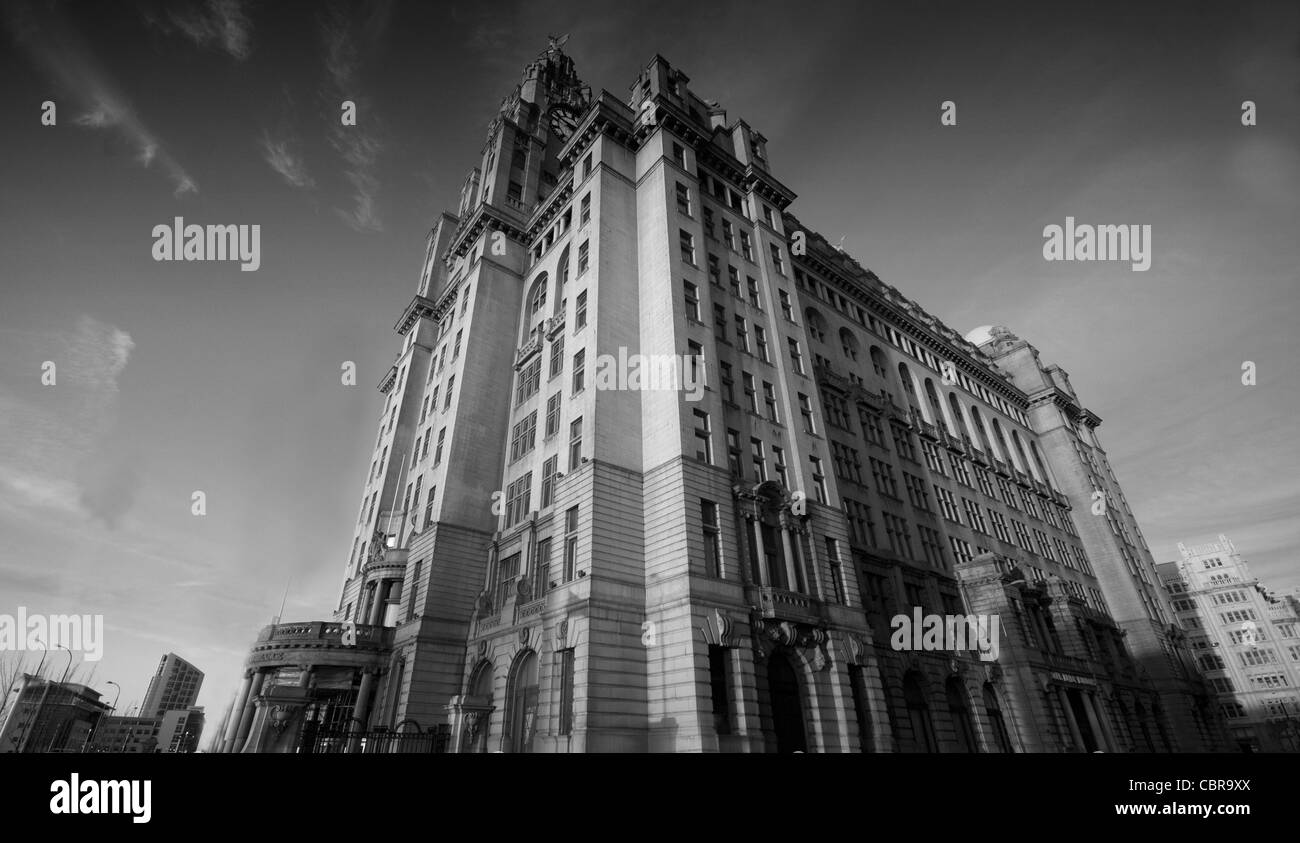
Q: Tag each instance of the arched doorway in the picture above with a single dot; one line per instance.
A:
(480, 689)
(521, 709)
(787, 711)
(962, 722)
(918, 713)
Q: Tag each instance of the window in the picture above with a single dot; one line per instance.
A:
(733, 280)
(451, 387)
(703, 437)
(746, 248)
(786, 309)
(903, 442)
(959, 470)
(751, 287)
(437, 454)
(883, 475)
(873, 429)
(523, 436)
(584, 256)
(584, 215)
(777, 263)
(684, 199)
(796, 358)
(999, 526)
(806, 411)
(679, 155)
(932, 547)
(575, 443)
(769, 403)
(733, 453)
(692, 298)
(553, 415)
(728, 235)
(758, 459)
(751, 397)
(947, 504)
(961, 550)
(778, 463)
(579, 370)
(517, 499)
(718, 689)
(557, 356)
(507, 572)
(896, 533)
(529, 381)
(819, 480)
(712, 538)
(708, 224)
(566, 692)
(760, 340)
(586, 165)
(548, 480)
(974, 518)
(727, 382)
(917, 492)
(570, 543)
(742, 334)
(688, 246)
(720, 322)
(933, 459)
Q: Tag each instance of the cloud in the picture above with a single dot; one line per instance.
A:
(50, 455)
(56, 49)
(219, 24)
(285, 161)
(359, 146)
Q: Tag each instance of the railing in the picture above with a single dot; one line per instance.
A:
(781, 604)
(375, 742)
(326, 631)
(1001, 467)
(529, 348)
(979, 456)
(1023, 479)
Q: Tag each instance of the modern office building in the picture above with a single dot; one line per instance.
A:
(1245, 638)
(48, 716)
(658, 469)
(174, 687)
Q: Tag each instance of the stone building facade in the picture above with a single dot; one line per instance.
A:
(657, 468)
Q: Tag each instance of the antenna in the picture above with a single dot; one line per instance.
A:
(283, 600)
(401, 480)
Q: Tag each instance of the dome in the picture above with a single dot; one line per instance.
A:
(980, 335)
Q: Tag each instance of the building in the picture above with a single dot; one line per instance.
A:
(49, 716)
(175, 686)
(658, 469)
(135, 734)
(1246, 640)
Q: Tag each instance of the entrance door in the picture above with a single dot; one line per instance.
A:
(523, 704)
(787, 712)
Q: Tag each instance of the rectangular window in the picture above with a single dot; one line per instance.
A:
(727, 383)
(778, 463)
(796, 357)
(712, 538)
(760, 341)
(777, 262)
(733, 453)
(746, 248)
(806, 411)
(692, 299)
(455, 352)
(451, 388)
(758, 459)
(587, 165)
(566, 692)
(786, 309)
(579, 370)
(688, 246)
(570, 543)
(751, 287)
(507, 572)
(523, 436)
(718, 689)
(553, 415)
(769, 403)
(437, 454)
(548, 480)
(819, 480)
(751, 396)
(584, 256)
(575, 443)
(679, 155)
(530, 380)
(742, 334)
(557, 356)
(684, 199)
(517, 499)
(974, 518)
(585, 213)
(703, 437)
(947, 505)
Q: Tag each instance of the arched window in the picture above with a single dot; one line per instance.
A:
(936, 409)
(849, 343)
(957, 418)
(1001, 738)
(537, 295)
(1038, 459)
(521, 704)
(816, 324)
(918, 713)
(905, 377)
(878, 363)
(1001, 439)
(983, 435)
(962, 723)
(1020, 450)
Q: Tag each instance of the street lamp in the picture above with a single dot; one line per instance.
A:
(69, 667)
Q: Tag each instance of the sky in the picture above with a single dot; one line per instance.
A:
(176, 377)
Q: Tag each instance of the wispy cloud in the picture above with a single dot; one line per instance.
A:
(281, 154)
(57, 51)
(217, 24)
(359, 146)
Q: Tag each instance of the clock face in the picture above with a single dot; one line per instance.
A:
(563, 121)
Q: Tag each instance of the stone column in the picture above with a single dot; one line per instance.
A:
(377, 608)
(304, 681)
(1069, 718)
(236, 712)
(362, 711)
(246, 719)
(791, 576)
(762, 554)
